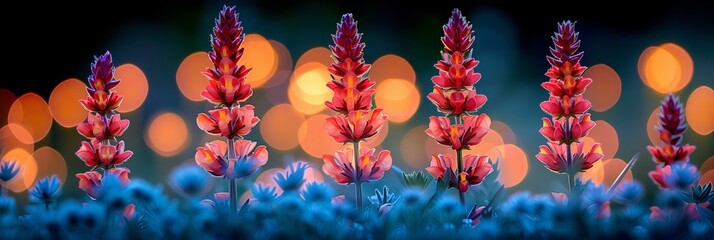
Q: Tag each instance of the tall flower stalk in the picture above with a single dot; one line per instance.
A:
(671, 155)
(455, 96)
(356, 120)
(569, 120)
(103, 152)
(234, 158)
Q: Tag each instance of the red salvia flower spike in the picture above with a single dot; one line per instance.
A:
(458, 34)
(566, 44)
(227, 84)
(671, 125)
(670, 128)
(102, 78)
(570, 121)
(101, 98)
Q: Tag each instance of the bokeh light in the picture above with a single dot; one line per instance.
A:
(284, 67)
(707, 165)
(652, 122)
(613, 168)
(64, 102)
(431, 147)
(313, 138)
(9, 140)
(412, 141)
(28, 169)
(491, 145)
(605, 89)
(707, 177)
(606, 135)
(32, 113)
(319, 54)
(279, 125)
(189, 76)
(261, 57)
(134, 87)
(513, 165)
(596, 174)
(505, 131)
(700, 111)
(391, 66)
(308, 89)
(399, 98)
(685, 62)
(659, 69)
(7, 98)
(50, 162)
(167, 134)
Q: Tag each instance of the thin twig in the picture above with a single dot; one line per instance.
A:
(631, 163)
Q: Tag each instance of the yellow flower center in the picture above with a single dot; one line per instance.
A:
(454, 131)
(350, 79)
(365, 161)
(358, 115)
(350, 94)
(223, 116)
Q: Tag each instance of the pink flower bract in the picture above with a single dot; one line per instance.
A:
(340, 165)
(228, 122)
(459, 136)
(356, 126)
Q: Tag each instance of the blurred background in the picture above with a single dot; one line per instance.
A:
(635, 57)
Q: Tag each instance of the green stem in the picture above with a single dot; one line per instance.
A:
(570, 171)
(460, 159)
(460, 164)
(232, 186)
(358, 175)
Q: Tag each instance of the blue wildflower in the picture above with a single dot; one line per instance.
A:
(412, 198)
(594, 195)
(7, 206)
(670, 199)
(46, 191)
(629, 192)
(143, 193)
(293, 178)
(383, 197)
(518, 203)
(290, 204)
(264, 194)
(79, 220)
(112, 192)
(8, 170)
(318, 193)
(683, 175)
(189, 181)
(447, 211)
(488, 229)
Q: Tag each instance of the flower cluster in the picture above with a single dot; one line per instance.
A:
(235, 158)
(102, 152)
(673, 169)
(455, 95)
(289, 206)
(569, 120)
(356, 120)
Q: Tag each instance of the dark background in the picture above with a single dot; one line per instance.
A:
(48, 43)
